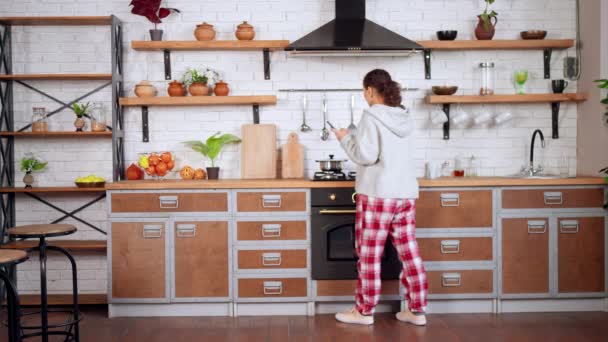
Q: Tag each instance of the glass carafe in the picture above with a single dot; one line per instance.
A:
(39, 120)
(98, 118)
(487, 78)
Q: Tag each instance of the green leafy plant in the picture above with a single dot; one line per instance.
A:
(205, 76)
(487, 17)
(31, 163)
(213, 146)
(603, 84)
(80, 109)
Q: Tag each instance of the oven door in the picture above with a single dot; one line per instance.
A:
(333, 246)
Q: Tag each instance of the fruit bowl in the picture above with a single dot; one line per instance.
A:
(90, 181)
(90, 185)
(533, 34)
(445, 90)
(157, 165)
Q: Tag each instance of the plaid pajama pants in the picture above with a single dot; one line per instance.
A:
(376, 218)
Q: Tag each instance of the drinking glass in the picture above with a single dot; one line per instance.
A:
(520, 77)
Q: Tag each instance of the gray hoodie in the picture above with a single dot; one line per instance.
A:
(382, 148)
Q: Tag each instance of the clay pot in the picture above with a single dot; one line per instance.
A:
(204, 32)
(245, 31)
(176, 89)
(145, 89)
(199, 89)
(221, 89)
(480, 31)
(79, 123)
(28, 179)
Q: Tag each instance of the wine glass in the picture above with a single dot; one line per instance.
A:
(520, 77)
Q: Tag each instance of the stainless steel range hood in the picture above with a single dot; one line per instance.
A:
(351, 34)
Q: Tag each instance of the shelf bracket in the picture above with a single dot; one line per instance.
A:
(266, 53)
(144, 124)
(555, 119)
(446, 125)
(547, 61)
(167, 60)
(427, 63)
(256, 114)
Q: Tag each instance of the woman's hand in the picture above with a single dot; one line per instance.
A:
(340, 133)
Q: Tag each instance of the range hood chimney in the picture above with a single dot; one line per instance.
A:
(351, 34)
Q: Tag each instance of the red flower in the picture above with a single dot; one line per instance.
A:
(151, 9)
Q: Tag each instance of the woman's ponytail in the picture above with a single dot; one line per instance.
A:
(385, 86)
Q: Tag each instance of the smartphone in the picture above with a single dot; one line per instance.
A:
(330, 125)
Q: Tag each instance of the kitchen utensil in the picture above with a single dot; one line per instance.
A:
(533, 34)
(331, 125)
(444, 90)
(304, 127)
(559, 86)
(324, 131)
(447, 34)
(487, 78)
(503, 118)
(258, 151)
(482, 118)
(330, 164)
(460, 117)
(292, 158)
(352, 127)
(438, 117)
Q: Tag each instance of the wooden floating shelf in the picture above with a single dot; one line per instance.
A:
(517, 44)
(528, 98)
(198, 100)
(107, 134)
(57, 21)
(56, 77)
(57, 189)
(71, 245)
(194, 45)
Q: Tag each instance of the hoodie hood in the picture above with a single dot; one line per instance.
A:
(396, 119)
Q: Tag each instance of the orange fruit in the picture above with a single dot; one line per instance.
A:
(170, 165)
(187, 173)
(151, 170)
(166, 157)
(161, 173)
(161, 169)
(200, 174)
(154, 159)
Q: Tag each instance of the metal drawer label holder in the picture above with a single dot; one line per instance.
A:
(451, 280)
(186, 230)
(553, 198)
(273, 288)
(450, 246)
(568, 226)
(271, 259)
(271, 230)
(168, 202)
(537, 227)
(153, 231)
(271, 201)
(450, 200)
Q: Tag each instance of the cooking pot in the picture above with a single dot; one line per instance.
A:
(330, 164)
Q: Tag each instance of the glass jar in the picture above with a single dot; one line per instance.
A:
(459, 167)
(487, 78)
(39, 120)
(474, 168)
(98, 118)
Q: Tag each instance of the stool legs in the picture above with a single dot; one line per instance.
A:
(44, 306)
(76, 309)
(12, 300)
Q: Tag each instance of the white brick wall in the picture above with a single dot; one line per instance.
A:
(75, 49)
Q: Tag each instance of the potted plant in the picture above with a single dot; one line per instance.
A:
(29, 164)
(212, 148)
(151, 9)
(485, 27)
(81, 110)
(603, 84)
(605, 172)
(200, 81)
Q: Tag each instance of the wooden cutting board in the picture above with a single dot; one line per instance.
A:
(292, 157)
(258, 151)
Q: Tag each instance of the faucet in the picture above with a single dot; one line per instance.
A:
(531, 171)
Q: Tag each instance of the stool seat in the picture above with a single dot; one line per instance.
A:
(12, 256)
(41, 230)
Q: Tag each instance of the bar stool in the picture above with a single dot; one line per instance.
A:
(8, 258)
(41, 232)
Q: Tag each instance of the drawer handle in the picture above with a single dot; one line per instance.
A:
(273, 288)
(450, 200)
(271, 230)
(186, 230)
(271, 201)
(568, 226)
(553, 198)
(271, 259)
(168, 202)
(337, 212)
(153, 231)
(450, 246)
(537, 227)
(450, 280)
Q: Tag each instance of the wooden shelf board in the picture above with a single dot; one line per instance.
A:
(64, 299)
(517, 44)
(71, 245)
(191, 45)
(56, 21)
(53, 189)
(528, 98)
(198, 100)
(57, 77)
(107, 134)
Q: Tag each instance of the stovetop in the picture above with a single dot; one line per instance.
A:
(331, 176)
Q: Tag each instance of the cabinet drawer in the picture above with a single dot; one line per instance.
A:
(271, 230)
(272, 259)
(169, 202)
(456, 249)
(271, 201)
(553, 198)
(273, 287)
(460, 282)
(342, 288)
(454, 209)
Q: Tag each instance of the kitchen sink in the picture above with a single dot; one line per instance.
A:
(541, 176)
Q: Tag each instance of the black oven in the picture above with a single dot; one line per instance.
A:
(333, 237)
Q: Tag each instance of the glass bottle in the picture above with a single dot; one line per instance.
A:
(39, 120)
(473, 167)
(98, 118)
(487, 78)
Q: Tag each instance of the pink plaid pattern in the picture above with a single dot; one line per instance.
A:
(377, 218)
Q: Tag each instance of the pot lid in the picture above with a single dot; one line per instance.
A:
(144, 83)
(205, 24)
(245, 26)
(331, 159)
(175, 82)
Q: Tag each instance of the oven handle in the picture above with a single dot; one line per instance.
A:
(337, 212)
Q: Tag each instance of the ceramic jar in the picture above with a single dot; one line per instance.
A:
(199, 89)
(483, 33)
(221, 89)
(204, 32)
(176, 89)
(145, 89)
(28, 179)
(79, 123)
(245, 31)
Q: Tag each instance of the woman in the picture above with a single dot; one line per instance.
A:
(387, 190)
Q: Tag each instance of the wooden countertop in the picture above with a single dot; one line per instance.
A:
(305, 183)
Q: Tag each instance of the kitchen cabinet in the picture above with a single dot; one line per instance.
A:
(459, 282)
(169, 202)
(454, 209)
(552, 198)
